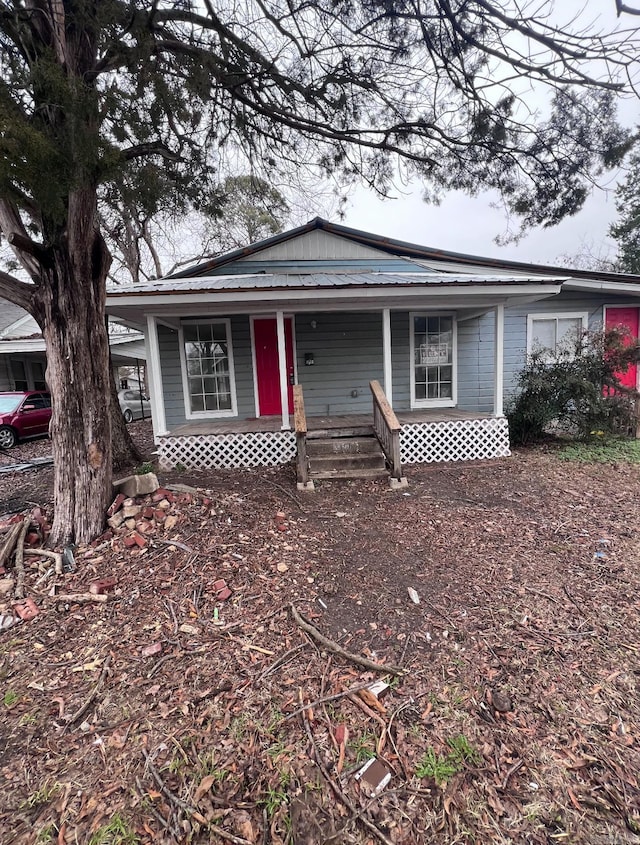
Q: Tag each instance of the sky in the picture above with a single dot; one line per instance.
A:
(470, 225)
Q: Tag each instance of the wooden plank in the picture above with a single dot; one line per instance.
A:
(299, 417)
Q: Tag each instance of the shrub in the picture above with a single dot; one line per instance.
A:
(576, 389)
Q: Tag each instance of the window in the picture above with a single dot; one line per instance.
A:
(553, 333)
(37, 372)
(19, 374)
(208, 369)
(433, 350)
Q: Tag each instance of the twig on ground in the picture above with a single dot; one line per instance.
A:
(336, 649)
(326, 699)
(369, 712)
(284, 658)
(511, 772)
(371, 827)
(285, 491)
(45, 553)
(166, 823)
(92, 695)
(19, 562)
(175, 800)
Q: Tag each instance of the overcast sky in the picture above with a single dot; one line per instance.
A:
(464, 224)
(471, 225)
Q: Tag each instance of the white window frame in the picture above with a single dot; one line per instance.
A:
(554, 315)
(200, 415)
(434, 403)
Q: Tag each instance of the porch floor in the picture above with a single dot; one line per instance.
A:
(321, 423)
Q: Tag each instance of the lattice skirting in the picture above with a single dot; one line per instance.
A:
(454, 440)
(220, 451)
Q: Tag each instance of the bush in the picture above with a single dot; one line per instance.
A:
(576, 390)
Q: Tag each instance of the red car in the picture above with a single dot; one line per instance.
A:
(23, 414)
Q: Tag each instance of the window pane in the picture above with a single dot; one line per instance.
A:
(568, 331)
(421, 390)
(190, 333)
(419, 324)
(446, 390)
(544, 335)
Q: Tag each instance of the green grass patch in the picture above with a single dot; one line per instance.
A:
(609, 451)
(441, 767)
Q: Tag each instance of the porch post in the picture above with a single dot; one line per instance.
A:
(498, 381)
(386, 355)
(282, 366)
(155, 377)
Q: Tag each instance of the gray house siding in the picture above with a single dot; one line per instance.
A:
(476, 345)
(347, 350)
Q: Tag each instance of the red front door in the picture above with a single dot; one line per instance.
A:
(625, 318)
(265, 338)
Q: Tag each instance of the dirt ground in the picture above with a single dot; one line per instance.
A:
(515, 719)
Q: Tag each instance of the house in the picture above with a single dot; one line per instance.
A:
(323, 332)
(23, 358)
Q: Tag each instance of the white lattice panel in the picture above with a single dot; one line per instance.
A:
(220, 451)
(454, 440)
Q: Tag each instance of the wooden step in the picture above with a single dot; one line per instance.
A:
(338, 463)
(358, 431)
(342, 446)
(346, 474)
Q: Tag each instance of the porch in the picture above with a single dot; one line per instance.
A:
(425, 436)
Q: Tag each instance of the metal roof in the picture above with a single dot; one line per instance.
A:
(317, 281)
(396, 247)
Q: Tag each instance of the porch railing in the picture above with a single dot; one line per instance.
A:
(386, 428)
(300, 425)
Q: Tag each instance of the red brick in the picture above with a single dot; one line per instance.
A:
(26, 609)
(104, 585)
(116, 504)
(223, 594)
(282, 526)
(147, 513)
(32, 539)
(129, 541)
(159, 515)
(161, 493)
(150, 650)
(220, 584)
(139, 540)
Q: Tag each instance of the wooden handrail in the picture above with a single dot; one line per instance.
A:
(386, 428)
(299, 416)
(385, 408)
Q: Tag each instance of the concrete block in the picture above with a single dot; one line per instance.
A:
(306, 486)
(137, 485)
(398, 483)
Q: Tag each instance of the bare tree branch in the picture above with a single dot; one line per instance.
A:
(16, 291)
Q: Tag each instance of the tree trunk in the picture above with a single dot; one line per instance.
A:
(124, 450)
(71, 306)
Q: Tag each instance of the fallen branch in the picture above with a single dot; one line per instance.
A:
(55, 556)
(19, 562)
(80, 598)
(327, 698)
(337, 649)
(10, 543)
(370, 713)
(357, 816)
(92, 695)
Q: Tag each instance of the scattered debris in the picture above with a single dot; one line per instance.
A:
(374, 776)
(413, 595)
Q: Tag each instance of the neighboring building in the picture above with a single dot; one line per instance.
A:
(23, 358)
(331, 309)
